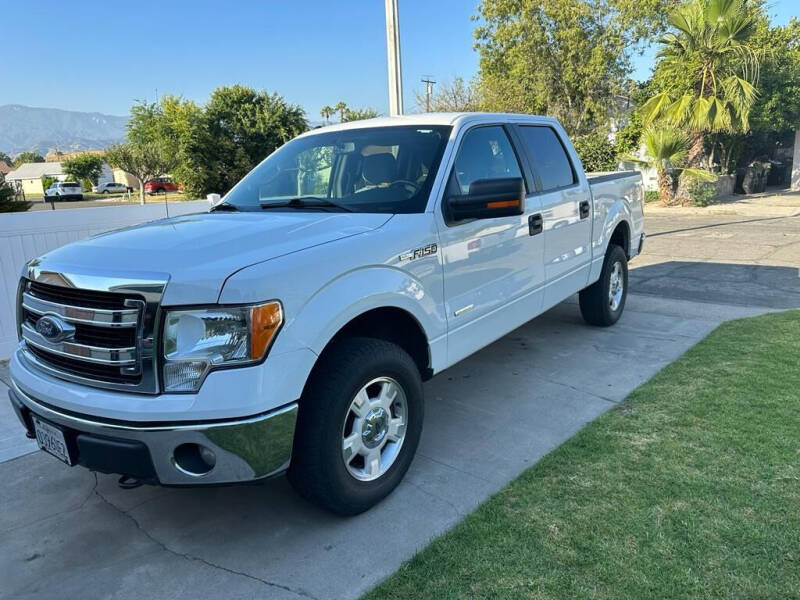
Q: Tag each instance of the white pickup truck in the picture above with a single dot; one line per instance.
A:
(290, 328)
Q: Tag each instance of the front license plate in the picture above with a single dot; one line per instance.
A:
(51, 439)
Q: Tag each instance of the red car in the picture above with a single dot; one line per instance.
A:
(160, 185)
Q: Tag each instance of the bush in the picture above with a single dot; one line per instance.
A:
(651, 196)
(47, 182)
(8, 198)
(596, 152)
(698, 193)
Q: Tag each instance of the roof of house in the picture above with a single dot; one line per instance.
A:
(5, 167)
(35, 171)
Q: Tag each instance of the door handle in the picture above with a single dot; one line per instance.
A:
(535, 224)
(584, 209)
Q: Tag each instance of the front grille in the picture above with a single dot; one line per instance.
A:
(102, 339)
(85, 298)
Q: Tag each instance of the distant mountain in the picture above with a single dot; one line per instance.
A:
(24, 128)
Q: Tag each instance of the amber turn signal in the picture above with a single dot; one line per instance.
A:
(265, 320)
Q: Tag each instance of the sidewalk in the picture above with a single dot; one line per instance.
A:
(772, 203)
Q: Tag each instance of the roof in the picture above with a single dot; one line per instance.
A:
(5, 167)
(36, 171)
(451, 118)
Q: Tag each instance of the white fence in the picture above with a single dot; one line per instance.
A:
(24, 236)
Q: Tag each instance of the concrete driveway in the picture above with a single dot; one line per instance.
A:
(68, 533)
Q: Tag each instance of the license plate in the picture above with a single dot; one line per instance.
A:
(51, 440)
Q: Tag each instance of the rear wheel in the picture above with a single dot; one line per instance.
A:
(602, 302)
(358, 427)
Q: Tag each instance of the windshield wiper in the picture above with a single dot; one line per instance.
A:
(307, 202)
(224, 206)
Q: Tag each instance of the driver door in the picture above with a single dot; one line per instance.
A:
(493, 268)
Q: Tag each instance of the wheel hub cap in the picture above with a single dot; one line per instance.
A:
(616, 286)
(375, 428)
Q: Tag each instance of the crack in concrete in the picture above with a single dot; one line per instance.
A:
(430, 494)
(191, 557)
(58, 514)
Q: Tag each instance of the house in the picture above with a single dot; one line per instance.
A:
(125, 178)
(28, 176)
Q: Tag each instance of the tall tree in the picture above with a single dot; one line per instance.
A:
(6, 159)
(565, 58)
(236, 130)
(143, 160)
(83, 166)
(707, 70)
(341, 108)
(28, 157)
(326, 112)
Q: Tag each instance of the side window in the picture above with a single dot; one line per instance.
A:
(550, 160)
(485, 153)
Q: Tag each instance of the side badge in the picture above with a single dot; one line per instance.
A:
(420, 252)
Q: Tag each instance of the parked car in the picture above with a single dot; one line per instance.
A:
(160, 185)
(291, 327)
(64, 190)
(111, 187)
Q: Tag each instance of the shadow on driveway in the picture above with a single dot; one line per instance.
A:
(720, 283)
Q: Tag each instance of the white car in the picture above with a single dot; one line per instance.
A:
(291, 326)
(64, 190)
(110, 187)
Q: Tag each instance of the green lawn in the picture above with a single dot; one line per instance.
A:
(689, 489)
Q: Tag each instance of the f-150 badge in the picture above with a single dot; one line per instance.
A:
(420, 252)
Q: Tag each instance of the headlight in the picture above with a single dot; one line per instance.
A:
(196, 341)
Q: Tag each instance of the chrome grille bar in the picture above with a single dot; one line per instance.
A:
(98, 317)
(120, 357)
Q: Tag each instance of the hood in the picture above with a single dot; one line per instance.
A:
(198, 252)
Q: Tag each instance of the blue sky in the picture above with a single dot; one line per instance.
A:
(94, 55)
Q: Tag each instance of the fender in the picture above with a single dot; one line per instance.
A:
(608, 214)
(356, 292)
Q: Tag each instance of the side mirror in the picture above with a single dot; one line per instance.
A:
(489, 198)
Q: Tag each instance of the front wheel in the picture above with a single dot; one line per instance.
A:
(602, 302)
(358, 427)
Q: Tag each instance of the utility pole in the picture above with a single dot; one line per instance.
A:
(393, 56)
(428, 92)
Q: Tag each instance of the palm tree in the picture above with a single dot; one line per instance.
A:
(710, 69)
(666, 149)
(341, 108)
(326, 112)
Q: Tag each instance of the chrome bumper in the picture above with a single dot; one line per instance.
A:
(244, 449)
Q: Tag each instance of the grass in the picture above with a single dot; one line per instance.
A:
(689, 489)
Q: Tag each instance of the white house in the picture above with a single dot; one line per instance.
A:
(29, 176)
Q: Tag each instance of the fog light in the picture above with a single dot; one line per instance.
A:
(193, 459)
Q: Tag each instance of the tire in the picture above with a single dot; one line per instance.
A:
(318, 469)
(104, 192)
(599, 306)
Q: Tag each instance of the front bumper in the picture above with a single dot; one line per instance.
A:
(245, 449)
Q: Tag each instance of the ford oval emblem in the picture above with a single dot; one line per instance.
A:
(53, 329)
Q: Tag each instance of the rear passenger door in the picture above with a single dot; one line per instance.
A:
(566, 206)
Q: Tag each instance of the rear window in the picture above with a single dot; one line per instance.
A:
(549, 158)
(69, 185)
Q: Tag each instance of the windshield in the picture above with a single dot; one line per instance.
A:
(380, 170)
